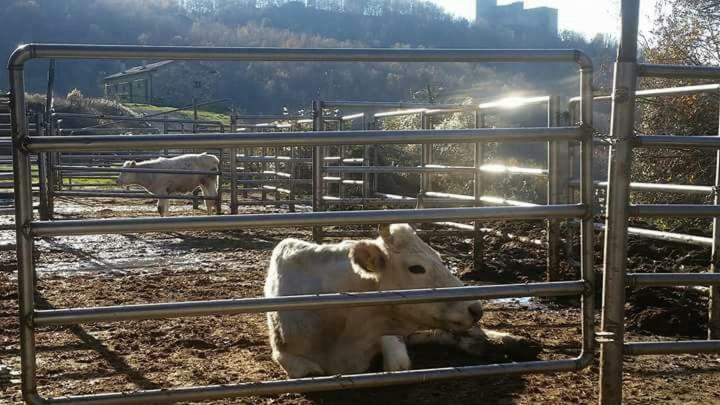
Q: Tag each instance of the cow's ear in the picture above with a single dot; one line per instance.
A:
(368, 260)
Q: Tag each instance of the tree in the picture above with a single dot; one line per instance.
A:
(686, 32)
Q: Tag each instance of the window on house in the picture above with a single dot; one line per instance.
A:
(197, 84)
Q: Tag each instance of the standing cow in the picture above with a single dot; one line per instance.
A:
(345, 340)
(165, 183)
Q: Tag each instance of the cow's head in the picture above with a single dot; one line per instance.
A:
(125, 178)
(400, 260)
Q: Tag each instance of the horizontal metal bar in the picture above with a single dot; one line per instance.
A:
(119, 194)
(136, 170)
(678, 71)
(486, 199)
(672, 279)
(677, 347)
(663, 92)
(111, 157)
(228, 222)
(271, 159)
(666, 188)
(503, 169)
(399, 113)
(513, 102)
(491, 231)
(397, 169)
(269, 117)
(114, 142)
(351, 117)
(61, 51)
(301, 302)
(278, 189)
(674, 210)
(128, 118)
(389, 104)
(274, 202)
(338, 382)
(664, 236)
(677, 141)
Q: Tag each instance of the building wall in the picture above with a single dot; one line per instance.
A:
(178, 83)
(136, 88)
(175, 84)
(514, 16)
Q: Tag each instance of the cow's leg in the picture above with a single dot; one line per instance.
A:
(481, 342)
(297, 366)
(163, 206)
(209, 189)
(474, 341)
(395, 354)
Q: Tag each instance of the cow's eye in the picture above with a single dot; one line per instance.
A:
(417, 269)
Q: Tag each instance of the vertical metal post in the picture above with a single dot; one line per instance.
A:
(42, 174)
(276, 169)
(51, 158)
(426, 159)
(478, 191)
(233, 168)
(556, 189)
(293, 175)
(263, 169)
(317, 169)
(587, 229)
(572, 152)
(366, 161)
(714, 301)
(617, 200)
(343, 151)
(45, 159)
(195, 115)
(24, 240)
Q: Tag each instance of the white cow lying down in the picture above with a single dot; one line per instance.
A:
(345, 340)
(161, 183)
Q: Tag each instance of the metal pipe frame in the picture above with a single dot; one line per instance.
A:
(671, 279)
(678, 347)
(224, 140)
(664, 236)
(233, 168)
(334, 218)
(557, 188)
(301, 302)
(56, 116)
(318, 187)
(119, 194)
(136, 170)
(26, 229)
(478, 191)
(618, 197)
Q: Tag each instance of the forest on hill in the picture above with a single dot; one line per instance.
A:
(266, 87)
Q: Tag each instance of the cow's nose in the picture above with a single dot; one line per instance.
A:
(476, 311)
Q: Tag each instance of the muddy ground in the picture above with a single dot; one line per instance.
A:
(124, 269)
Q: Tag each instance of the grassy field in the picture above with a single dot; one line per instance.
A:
(202, 114)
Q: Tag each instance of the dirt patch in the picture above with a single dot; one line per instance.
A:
(124, 356)
(681, 312)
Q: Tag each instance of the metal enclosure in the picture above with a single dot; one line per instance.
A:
(25, 146)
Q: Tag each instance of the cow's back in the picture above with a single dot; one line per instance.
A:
(172, 183)
(298, 267)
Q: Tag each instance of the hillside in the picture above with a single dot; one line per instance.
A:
(266, 87)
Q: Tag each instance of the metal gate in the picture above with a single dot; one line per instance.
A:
(24, 146)
(624, 140)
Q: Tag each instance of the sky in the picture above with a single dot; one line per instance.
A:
(587, 17)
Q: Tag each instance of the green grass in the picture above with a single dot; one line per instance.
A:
(80, 181)
(188, 114)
